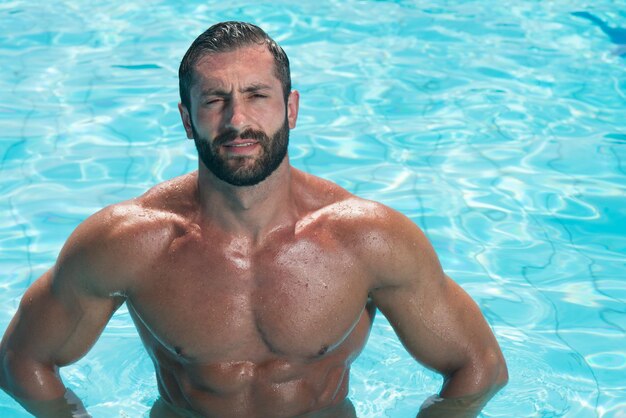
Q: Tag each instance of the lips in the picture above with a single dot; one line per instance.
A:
(240, 143)
(241, 147)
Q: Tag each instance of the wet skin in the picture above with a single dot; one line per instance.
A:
(250, 327)
(251, 301)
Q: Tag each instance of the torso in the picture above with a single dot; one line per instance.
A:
(238, 329)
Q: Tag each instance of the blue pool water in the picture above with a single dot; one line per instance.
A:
(498, 127)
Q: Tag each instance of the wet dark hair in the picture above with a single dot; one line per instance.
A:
(227, 37)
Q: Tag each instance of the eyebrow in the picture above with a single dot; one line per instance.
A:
(253, 88)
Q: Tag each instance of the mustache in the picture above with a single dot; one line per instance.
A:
(231, 134)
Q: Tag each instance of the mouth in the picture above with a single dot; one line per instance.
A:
(241, 146)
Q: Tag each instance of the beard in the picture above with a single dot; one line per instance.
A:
(236, 170)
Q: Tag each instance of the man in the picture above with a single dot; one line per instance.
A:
(252, 284)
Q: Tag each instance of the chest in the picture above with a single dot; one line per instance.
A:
(218, 302)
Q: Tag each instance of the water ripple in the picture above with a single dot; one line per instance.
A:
(496, 126)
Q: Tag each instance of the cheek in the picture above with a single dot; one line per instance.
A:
(275, 118)
(204, 123)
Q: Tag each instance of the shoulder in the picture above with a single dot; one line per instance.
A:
(326, 204)
(108, 250)
(163, 212)
(391, 247)
(387, 244)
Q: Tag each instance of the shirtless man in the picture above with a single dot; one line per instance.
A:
(252, 284)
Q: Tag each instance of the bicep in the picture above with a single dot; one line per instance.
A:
(436, 320)
(57, 321)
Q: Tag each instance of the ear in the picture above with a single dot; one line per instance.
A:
(293, 105)
(186, 117)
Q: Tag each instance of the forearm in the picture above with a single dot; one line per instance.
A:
(468, 406)
(39, 389)
(466, 392)
(66, 406)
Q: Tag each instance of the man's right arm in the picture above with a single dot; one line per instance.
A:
(58, 320)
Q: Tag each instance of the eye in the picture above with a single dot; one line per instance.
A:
(213, 101)
(259, 96)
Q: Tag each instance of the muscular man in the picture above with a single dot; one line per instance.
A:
(253, 285)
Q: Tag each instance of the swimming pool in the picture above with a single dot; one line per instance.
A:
(498, 127)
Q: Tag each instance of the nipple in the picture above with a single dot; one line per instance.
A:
(323, 350)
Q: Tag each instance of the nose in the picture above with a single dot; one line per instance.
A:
(236, 116)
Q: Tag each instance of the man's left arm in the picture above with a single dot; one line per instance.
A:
(436, 320)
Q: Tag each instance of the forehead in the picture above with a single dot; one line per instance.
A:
(242, 66)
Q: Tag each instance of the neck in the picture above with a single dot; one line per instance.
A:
(253, 211)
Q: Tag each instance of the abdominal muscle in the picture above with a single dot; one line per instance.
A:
(271, 386)
(275, 388)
